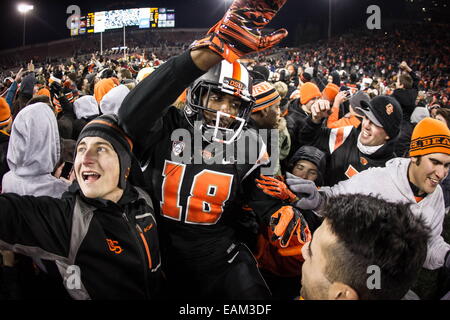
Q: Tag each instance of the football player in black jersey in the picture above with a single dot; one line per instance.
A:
(199, 185)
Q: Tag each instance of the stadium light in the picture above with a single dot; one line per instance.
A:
(24, 9)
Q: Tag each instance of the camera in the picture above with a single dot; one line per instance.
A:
(348, 93)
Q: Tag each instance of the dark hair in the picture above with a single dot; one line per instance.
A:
(72, 76)
(372, 231)
(42, 98)
(295, 69)
(108, 73)
(92, 86)
(126, 74)
(419, 159)
(445, 113)
(406, 80)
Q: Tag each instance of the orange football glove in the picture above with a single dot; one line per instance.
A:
(287, 222)
(239, 31)
(275, 188)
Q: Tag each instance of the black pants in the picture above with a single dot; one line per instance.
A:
(237, 279)
(282, 288)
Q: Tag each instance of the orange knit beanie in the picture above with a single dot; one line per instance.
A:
(309, 91)
(330, 92)
(265, 95)
(102, 87)
(430, 136)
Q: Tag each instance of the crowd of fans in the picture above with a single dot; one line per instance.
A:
(165, 43)
(341, 108)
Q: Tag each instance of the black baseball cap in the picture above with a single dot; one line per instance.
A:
(383, 111)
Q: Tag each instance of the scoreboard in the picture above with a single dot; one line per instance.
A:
(143, 18)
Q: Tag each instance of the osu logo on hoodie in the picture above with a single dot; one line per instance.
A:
(113, 246)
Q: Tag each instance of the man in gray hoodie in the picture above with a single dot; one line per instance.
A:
(33, 152)
(415, 181)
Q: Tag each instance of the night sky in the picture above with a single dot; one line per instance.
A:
(47, 21)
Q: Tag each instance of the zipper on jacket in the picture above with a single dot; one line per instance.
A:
(147, 250)
(141, 252)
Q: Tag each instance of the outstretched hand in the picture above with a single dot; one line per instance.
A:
(240, 30)
(19, 75)
(275, 188)
(30, 66)
(404, 66)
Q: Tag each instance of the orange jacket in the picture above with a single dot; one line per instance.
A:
(334, 121)
(283, 262)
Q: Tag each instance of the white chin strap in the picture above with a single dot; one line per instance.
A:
(217, 127)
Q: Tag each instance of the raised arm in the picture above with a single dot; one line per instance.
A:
(237, 34)
(142, 109)
(313, 133)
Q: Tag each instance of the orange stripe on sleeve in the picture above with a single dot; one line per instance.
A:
(236, 71)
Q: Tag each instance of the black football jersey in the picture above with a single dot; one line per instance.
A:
(197, 201)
